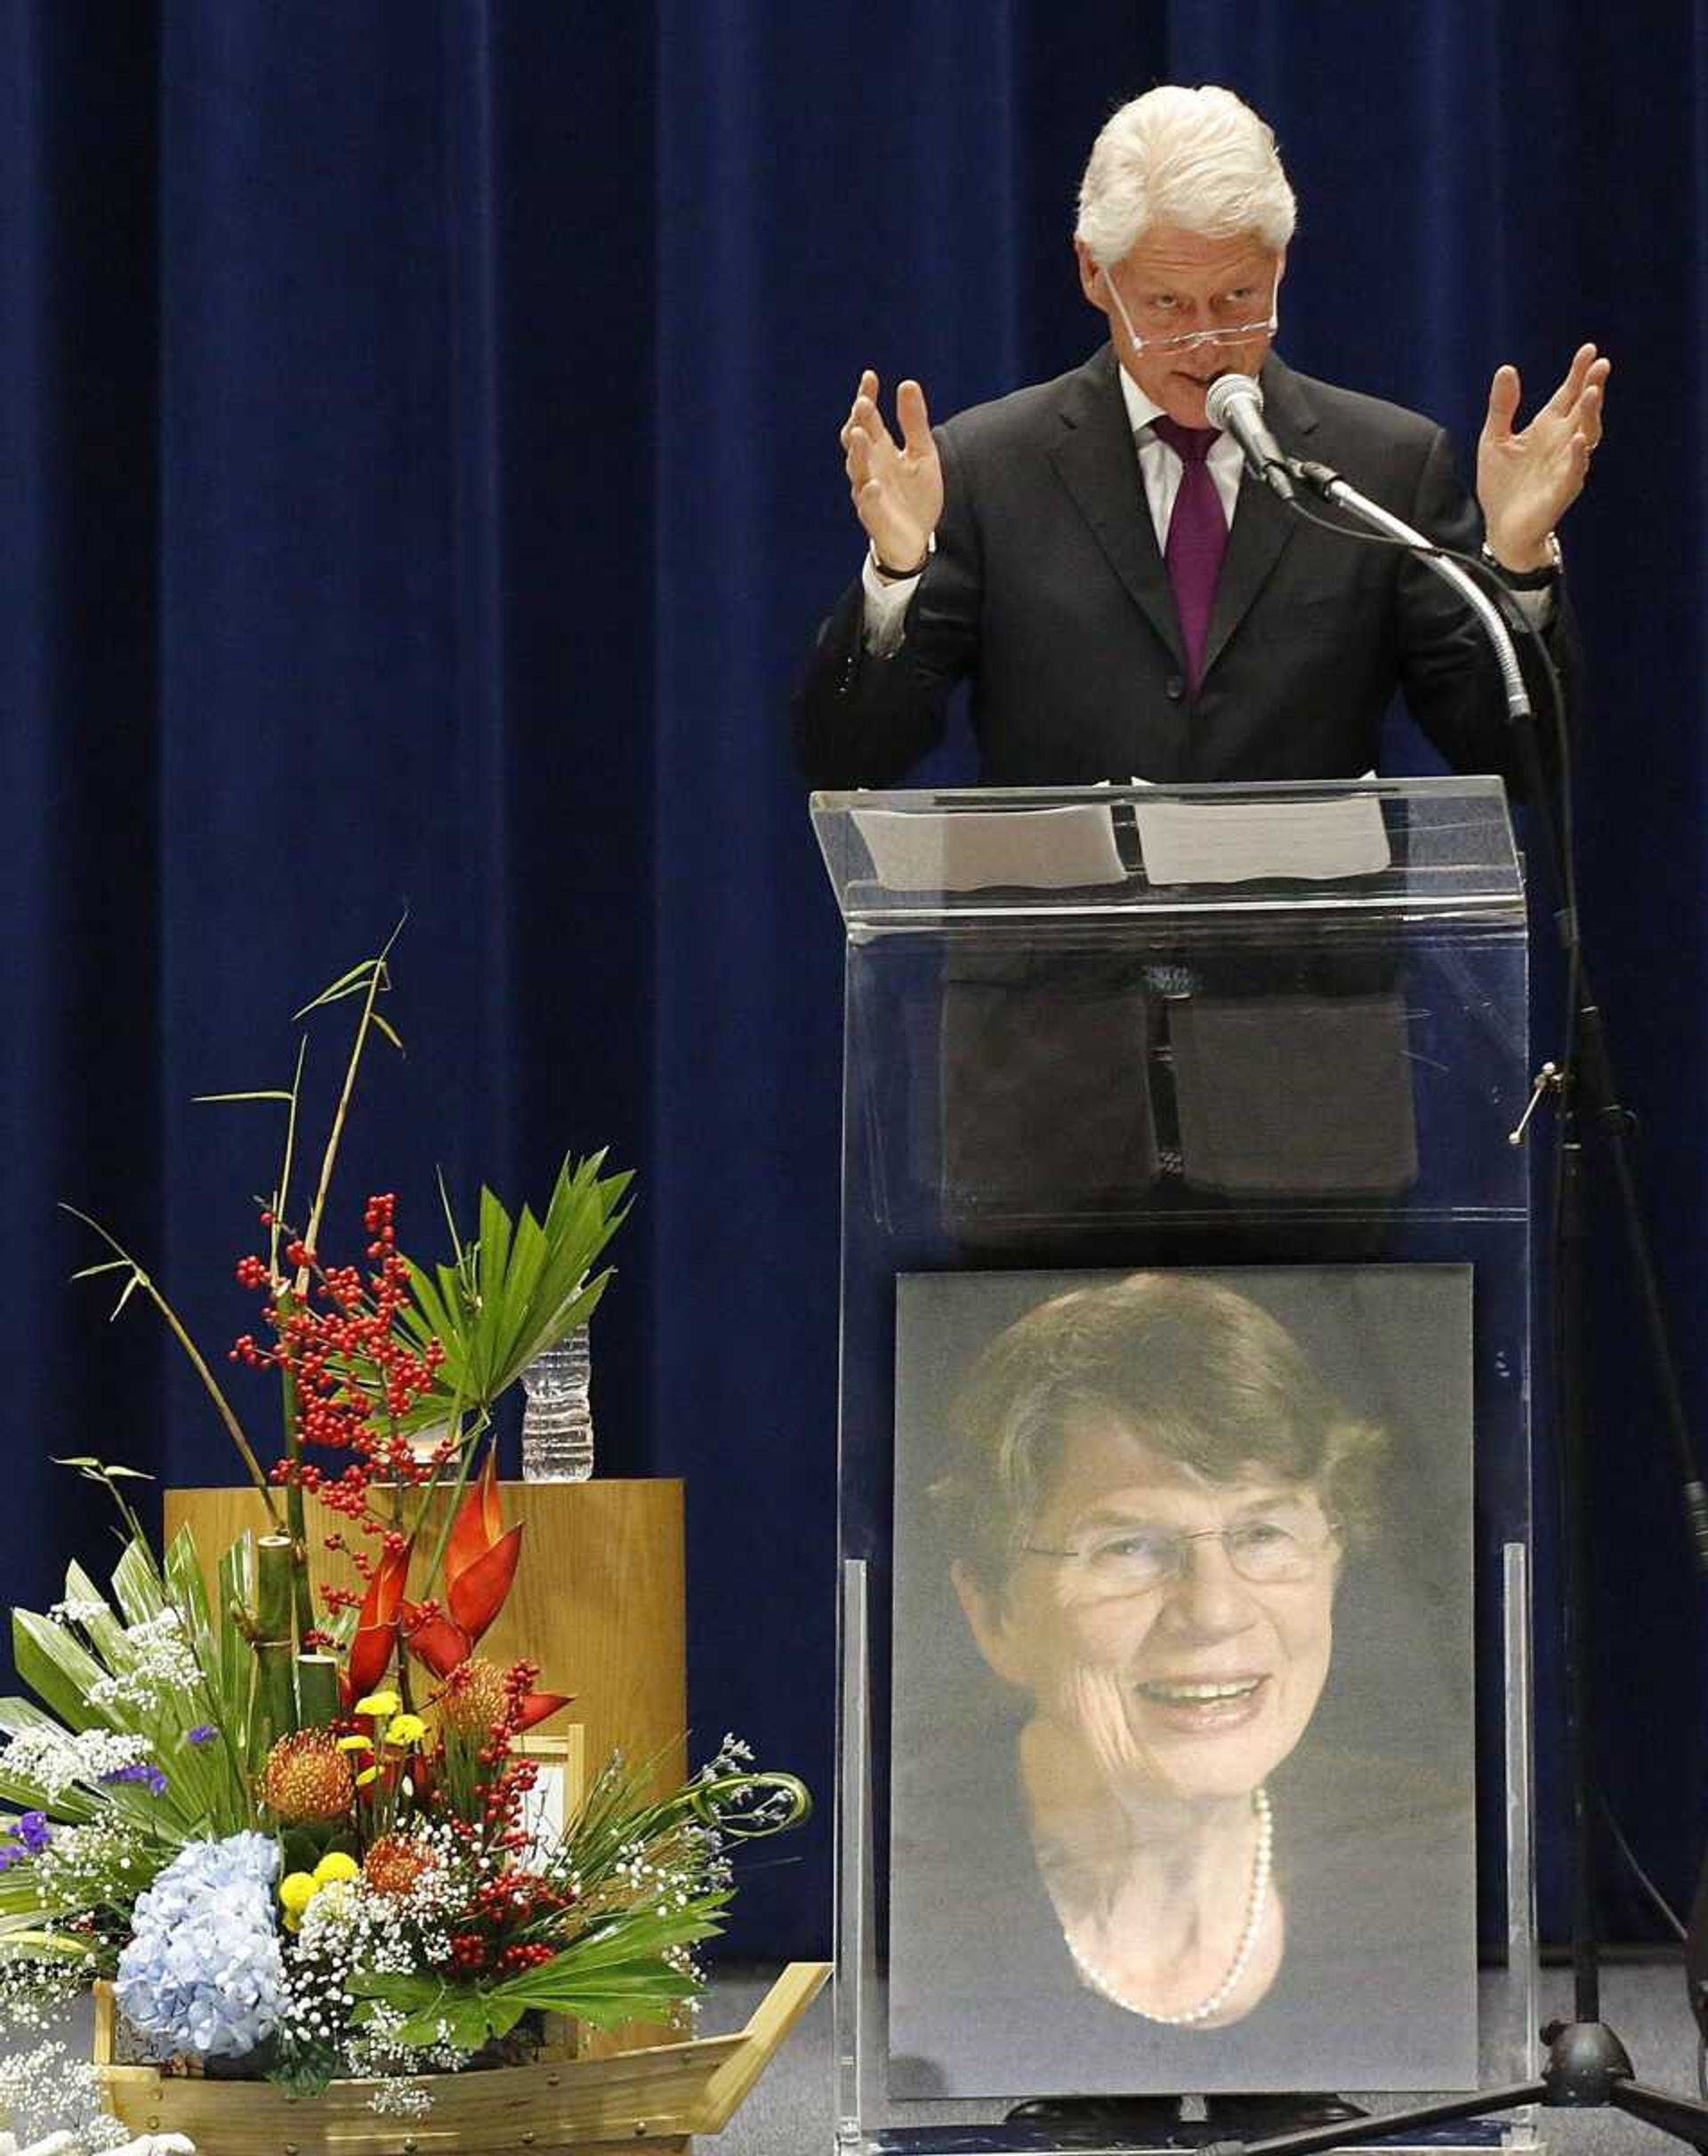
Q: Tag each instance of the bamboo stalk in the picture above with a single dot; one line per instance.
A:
(274, 1696)
(295, 1513)
(275, 1651)
(198, 1361)
(316, 1690)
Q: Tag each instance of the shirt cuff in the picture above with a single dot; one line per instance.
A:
(886, 610)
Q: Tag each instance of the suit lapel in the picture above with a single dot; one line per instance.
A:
(1263, 524)
(1098, 463)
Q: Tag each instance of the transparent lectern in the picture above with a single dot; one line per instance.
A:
(1185, 1489)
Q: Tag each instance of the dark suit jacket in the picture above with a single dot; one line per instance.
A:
(1048, 591)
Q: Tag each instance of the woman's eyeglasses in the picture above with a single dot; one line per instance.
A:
(1267, 1553)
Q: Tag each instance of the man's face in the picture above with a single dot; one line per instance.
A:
(1173, 285)
(1197, 1687)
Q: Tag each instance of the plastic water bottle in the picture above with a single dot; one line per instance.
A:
(558, 1422)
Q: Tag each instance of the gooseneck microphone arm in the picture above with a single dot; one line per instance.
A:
(1334, 488)
(1234, 402)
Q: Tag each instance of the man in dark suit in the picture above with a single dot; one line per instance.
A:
(1125, 603)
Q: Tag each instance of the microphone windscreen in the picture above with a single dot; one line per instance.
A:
(1224, 391)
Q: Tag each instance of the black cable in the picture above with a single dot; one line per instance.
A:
(1564, 867)
(1642, 1877)
(1517, 620)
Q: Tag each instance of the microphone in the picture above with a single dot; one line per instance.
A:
(1235, 403)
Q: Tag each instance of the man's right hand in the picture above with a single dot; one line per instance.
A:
(897, 488)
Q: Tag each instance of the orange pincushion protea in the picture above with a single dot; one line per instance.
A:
(394, 1863)
(474, 1697)
(307, 1777)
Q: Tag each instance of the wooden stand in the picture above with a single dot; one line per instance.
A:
(596, 1603)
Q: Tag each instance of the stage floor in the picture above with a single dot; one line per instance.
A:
(789, 2113)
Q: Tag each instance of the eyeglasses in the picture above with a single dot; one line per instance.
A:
(1266, 1551)
(1189, 340)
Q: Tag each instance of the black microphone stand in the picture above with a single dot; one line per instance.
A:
(1588, 2067)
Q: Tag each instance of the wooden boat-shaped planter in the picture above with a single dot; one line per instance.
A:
(653, 2097)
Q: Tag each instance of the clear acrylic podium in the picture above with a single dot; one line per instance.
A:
(1268, 1033)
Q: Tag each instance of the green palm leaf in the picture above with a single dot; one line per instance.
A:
(521, 1286)
(57, 1669)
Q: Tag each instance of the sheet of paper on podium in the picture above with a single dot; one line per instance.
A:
(1244, 840)
(1043, 849)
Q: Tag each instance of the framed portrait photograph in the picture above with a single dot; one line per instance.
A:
(1183, 1746)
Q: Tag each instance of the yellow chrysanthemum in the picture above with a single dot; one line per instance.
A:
(297, 1889)
(379, 1703)
(366, 1775)
(405, 1729)
(336, 1864)
(355, 1744)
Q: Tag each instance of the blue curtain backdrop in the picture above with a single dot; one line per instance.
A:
(418, 479)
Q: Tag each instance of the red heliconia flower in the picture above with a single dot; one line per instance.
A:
(481, 1561)
(376, 1629)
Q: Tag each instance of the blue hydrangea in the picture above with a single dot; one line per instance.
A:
(203, 1971)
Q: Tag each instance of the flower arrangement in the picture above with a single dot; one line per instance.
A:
(298, 1841)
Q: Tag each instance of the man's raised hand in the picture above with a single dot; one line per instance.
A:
(896, 488)
(1528, 479)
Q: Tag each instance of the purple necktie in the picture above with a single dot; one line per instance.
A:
(1197, 538)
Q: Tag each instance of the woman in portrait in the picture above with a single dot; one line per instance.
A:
(1152, 1504)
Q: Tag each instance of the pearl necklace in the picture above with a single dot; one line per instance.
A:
(1257, 1907)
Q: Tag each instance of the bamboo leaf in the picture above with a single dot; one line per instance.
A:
(450, 1217)
(355, 982)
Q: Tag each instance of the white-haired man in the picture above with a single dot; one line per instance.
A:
(1089, 554)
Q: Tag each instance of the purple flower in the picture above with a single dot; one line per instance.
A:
(33, 1834)
(152, 1780)
(204, 1733)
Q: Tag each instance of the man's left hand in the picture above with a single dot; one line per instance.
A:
(1527, 480)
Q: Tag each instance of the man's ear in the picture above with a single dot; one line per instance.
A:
(988, 1623)
(1091, 277)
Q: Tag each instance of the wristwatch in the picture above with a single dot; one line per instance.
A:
(1529, 579)
(887, 575)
